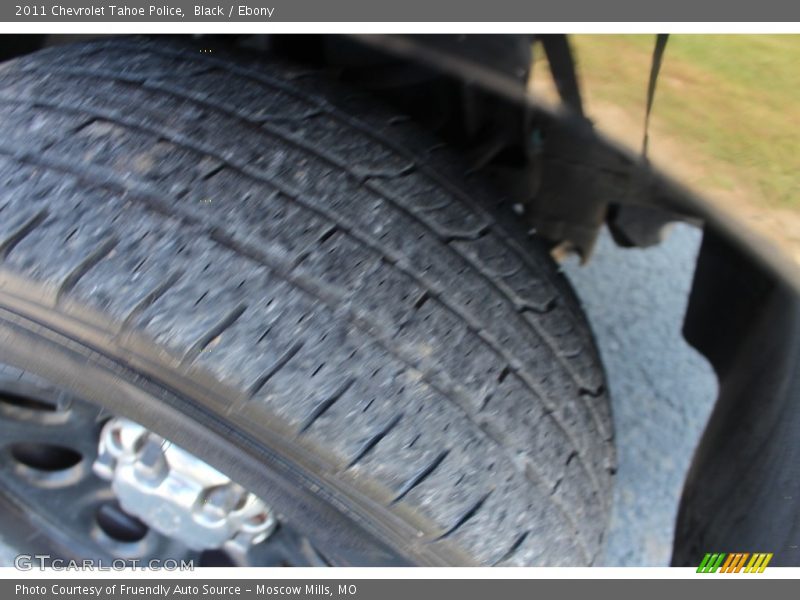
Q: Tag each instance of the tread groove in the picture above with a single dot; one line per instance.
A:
(421, 476)
(83, 267)
(217, 330)
(466, 516)
(326, 404)
(21, 232)
(279, 364)
(150, 299)
(374, 440)
(513, 549)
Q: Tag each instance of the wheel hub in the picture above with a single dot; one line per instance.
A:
(176, 493)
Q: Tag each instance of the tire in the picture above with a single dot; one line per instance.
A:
(315, 288)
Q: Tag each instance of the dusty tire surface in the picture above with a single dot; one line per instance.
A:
(328, 269)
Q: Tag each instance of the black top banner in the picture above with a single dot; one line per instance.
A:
(465, 11)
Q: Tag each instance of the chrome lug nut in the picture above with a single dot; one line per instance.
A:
(176, 493)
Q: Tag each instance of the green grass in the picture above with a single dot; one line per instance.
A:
(730, 102)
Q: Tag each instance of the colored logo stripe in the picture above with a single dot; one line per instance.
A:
(711, 562)
(733, 563)
(758, 563)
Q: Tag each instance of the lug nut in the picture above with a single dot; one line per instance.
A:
(224, 499)
(151, 465)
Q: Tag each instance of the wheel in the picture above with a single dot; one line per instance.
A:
(304, 294)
